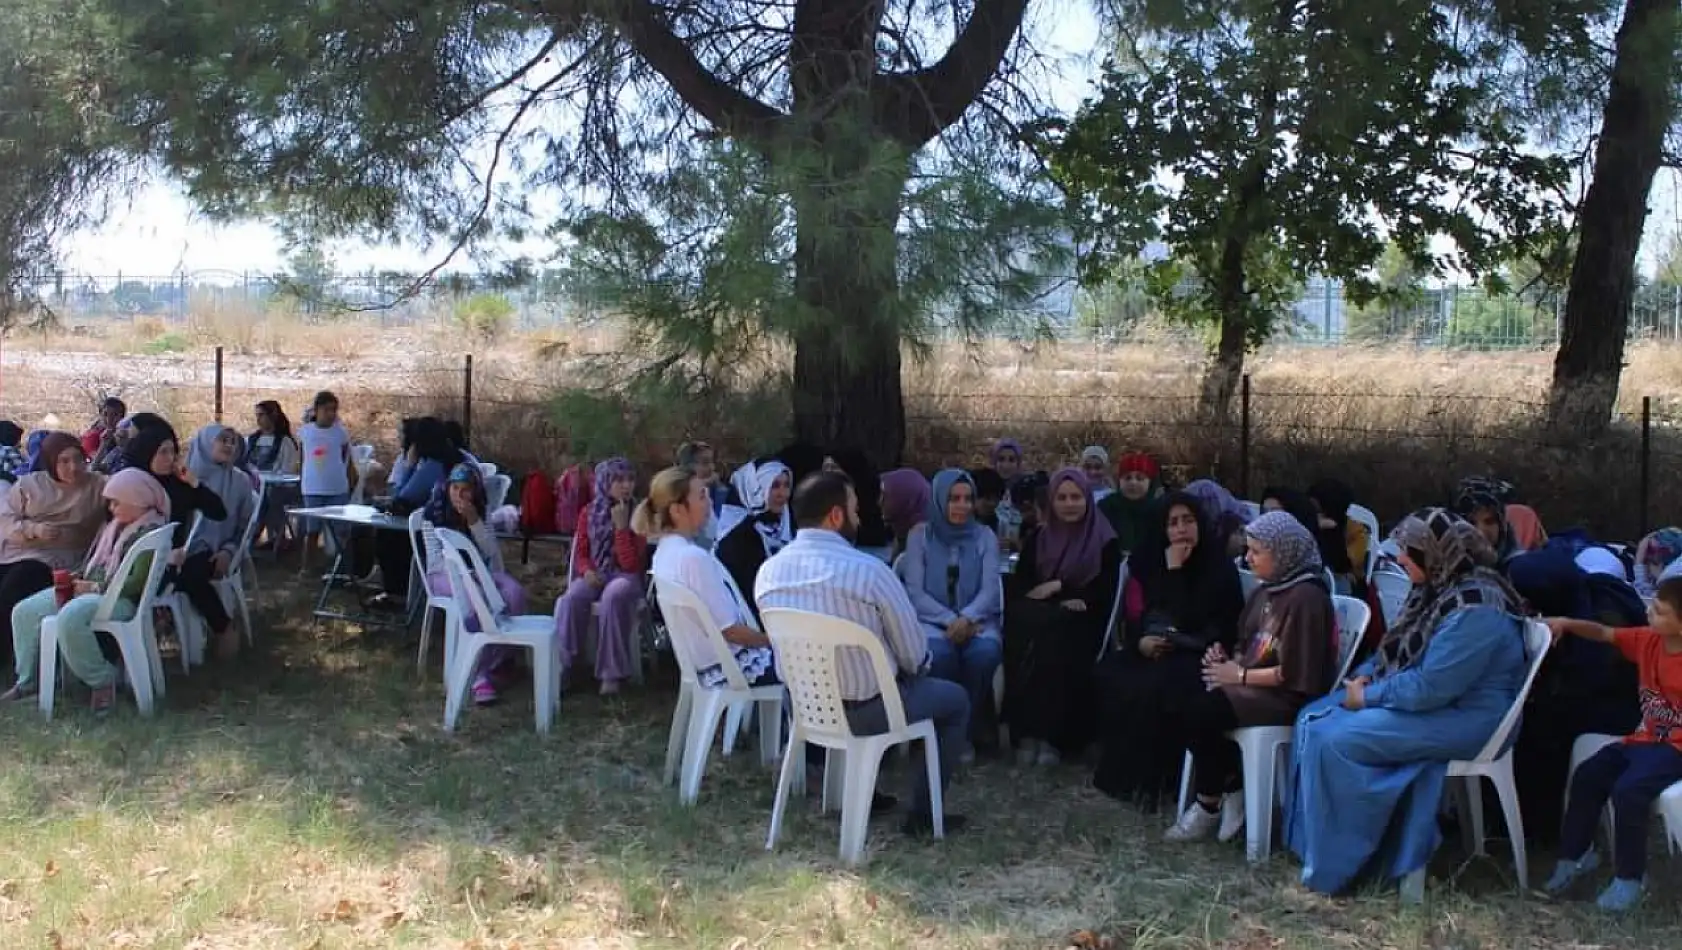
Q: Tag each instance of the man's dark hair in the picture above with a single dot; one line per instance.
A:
(325, 398)
(114, 403)
(988, 483)
(818, 495)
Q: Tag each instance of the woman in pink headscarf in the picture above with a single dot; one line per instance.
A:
(1057, 606)
(905, 502)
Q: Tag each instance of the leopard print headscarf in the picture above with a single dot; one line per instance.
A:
(1458, 565)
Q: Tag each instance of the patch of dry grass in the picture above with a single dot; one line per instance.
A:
(1400, 424)
(308, 799)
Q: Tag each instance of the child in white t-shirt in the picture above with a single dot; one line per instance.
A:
(327, 474)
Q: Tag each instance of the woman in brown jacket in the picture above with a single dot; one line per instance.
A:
(1287, 657)
(47, 522)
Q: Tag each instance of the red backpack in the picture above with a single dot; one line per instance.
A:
(537, 504)
(572, 495)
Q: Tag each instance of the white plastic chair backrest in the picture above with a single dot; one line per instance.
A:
(1537, 641)
(1393, 588)
(418, 528)
(249, 535)
(156, 542)
(1248, 581)
(1115, 608)
(496, 490)
(487, 469)
(475, 563)
(193, 532)
(808, 647)
(466, 589)
(736, 592)
(1251, 509)
(693, 628)
(1353, 616)
(361, 453)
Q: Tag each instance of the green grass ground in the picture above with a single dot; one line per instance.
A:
(308, 798)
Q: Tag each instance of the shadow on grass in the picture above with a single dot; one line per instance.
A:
(329, 744)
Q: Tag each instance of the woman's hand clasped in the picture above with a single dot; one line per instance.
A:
(1222, 673)
(1355, 695)
(1045, 590)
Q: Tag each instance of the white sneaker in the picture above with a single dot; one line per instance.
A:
(1197, 824)
(1232, 817)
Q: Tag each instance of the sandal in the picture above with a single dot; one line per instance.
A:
(17, 693)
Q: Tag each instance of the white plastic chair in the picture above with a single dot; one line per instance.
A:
(1248, 582)
(1115, 611)
(231, 587)
(419, 531)
(1393, 588)
(361, 453)
(496, 490)
(1364, 516)
(1495, 762)
(488, 470)
(139, 645)
(189, 626)
(1668, 806)
(1262, 749)
(469, 579)
(1252, 509)
(808, 649)
(698, 643)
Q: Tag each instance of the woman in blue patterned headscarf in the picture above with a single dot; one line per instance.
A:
(608, 561)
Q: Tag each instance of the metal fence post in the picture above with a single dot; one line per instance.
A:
(1646, 460)
(218, 384)
(1244, 438)
(467, 398)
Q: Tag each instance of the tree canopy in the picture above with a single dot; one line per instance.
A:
(1266, 141)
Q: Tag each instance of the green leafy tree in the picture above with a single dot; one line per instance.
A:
(442, 117)
(1397, 309)
(1269, 140)
(58, 154)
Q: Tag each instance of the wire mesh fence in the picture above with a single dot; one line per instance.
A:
(1399, 449)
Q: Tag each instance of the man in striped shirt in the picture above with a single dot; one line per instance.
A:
(821, 572)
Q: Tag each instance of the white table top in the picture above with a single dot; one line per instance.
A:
(279, 478)
(359, 515)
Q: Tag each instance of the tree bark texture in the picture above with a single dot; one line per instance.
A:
(1640, 106)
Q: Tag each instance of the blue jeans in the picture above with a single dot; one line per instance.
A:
(1631, 776)
(925, 698)
(971, 666)
(312, 526)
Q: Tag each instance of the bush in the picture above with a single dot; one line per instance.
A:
(485, 316)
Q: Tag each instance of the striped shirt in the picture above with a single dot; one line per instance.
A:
(820, 572)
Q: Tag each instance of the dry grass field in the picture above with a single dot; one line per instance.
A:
(1400, 424)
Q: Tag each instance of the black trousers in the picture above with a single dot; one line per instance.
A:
(392, 550)
(18, 581)
(193, 581)
(1204, 720)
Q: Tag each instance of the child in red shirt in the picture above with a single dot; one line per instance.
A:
(1633, 773)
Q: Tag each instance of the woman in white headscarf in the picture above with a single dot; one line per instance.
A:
(1095, 465)
(756, 522)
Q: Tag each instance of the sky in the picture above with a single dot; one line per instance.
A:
(155, 231)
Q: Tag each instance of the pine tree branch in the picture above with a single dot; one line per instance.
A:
(917, 106)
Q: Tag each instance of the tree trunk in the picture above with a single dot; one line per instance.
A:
(847, 390)
(1640, 105)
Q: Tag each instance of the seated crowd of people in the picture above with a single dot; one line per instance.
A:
(1135, 625)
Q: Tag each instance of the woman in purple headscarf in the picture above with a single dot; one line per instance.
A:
(1057, 606)
(608, 560)
(905, 502)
